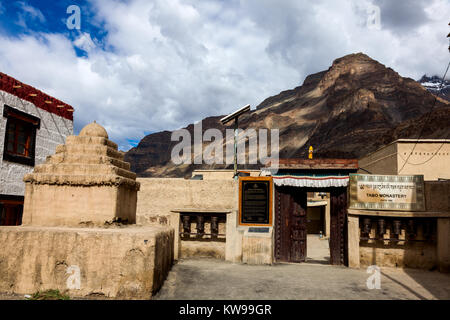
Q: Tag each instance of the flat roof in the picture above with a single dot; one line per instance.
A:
(316, 164)
(407, 141)
(423, 140)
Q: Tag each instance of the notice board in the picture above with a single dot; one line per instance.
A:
(255, 201)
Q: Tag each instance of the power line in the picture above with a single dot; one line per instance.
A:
(432, 156)
(426, 121)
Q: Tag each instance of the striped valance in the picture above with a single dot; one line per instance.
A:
(310, 181)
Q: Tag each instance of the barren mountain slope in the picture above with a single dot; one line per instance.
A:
(351, 109)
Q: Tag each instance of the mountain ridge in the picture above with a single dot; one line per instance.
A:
(346, 111)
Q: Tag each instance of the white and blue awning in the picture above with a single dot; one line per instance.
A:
(310, 180)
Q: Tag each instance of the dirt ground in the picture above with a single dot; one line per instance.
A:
(215, 279)
(210, 279)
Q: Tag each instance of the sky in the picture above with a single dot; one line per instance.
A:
(143, 66)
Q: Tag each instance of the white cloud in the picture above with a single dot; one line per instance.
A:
(84, 42)
(176, 61)
(28, 13)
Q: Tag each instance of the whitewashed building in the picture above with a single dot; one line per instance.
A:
(32, 124)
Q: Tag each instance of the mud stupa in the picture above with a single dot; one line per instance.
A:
(86, 182)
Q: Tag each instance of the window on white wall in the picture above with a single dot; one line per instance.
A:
(20, 136)
(11, 210)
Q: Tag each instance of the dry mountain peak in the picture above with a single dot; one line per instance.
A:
(352, 108)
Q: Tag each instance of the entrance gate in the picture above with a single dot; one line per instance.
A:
(290, 224)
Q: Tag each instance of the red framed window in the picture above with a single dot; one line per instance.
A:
(20, 136)
(11, 213)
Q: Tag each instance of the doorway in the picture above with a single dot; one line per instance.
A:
(317, 219)
(291, 224)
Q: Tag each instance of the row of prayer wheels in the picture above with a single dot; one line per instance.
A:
(395, 226)
(199, 219)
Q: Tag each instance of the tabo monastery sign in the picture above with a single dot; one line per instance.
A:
(386, 192)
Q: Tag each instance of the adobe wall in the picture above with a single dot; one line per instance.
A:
(221, 174)
(94, 205)
(53, 131)
(430, 159)
(70, 203)
(383, 161)
(158, 196)
(411, 254)
(126, 263)
(423, 252)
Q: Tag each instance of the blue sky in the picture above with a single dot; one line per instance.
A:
(29, 17)
(141, 66)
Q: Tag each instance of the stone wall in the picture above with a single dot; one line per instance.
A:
(126, 263)
(53, 131)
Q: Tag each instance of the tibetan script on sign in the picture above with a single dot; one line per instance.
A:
(386, 192)
(255, 200)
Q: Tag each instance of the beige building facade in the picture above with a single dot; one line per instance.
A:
(429, 157)
(192, 206)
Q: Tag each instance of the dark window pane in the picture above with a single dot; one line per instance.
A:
(11, 137)
(10, 146)
(20, 149)
(25, 148)
(11, 126)
(22, 138)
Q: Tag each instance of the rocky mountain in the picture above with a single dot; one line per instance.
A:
(347, 111)
(435, 85)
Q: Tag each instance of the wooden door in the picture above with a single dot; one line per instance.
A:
(290, 229)
(338, 226)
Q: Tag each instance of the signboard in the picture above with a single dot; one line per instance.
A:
(255, 201)
(258, 230)
(386, 192)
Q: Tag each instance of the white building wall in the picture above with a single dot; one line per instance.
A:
(53, 131)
